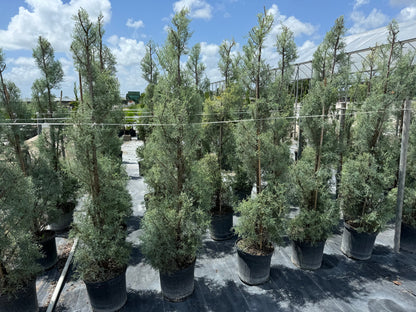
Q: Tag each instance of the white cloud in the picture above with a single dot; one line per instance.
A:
(23, 72)
(210, 57)
(407, 14)
(134, 24)
(363, 23)
(359, 3)
(197, 8)
(296, 26)
(51, 19)
(128, 54)
(306, 50)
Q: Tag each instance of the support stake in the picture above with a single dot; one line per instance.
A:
(402, 175)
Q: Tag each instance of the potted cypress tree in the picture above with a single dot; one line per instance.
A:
(46, 189)
(370, 170)
(365, 210)
(311, 175)
(177, 213)
(218, 139)
(102, 256)
(18, 249)
(53, 187)
(258, 147)
(260, 226)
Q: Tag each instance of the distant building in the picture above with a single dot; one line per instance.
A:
(132, 97)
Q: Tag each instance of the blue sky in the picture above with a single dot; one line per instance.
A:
(130, 24)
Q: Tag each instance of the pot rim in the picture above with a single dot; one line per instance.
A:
(107, 280)
(247, 253)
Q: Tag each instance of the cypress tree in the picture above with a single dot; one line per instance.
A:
(104, 252)
(177, 209)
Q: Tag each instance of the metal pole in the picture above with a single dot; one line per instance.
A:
(402, 175)
(341, 145)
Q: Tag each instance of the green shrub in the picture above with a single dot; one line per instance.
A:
(172, 231)
(18, 252)
(363, 187)
(315, 222)
(263, 219)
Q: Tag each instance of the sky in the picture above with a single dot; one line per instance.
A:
(130, 24)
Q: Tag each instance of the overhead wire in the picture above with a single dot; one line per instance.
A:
(37, 122)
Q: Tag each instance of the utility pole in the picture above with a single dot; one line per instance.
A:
(402, 174)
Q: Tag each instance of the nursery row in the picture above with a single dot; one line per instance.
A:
(198, 164)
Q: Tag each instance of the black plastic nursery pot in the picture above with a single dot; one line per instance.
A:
(221, 226)
(108, 296)
(253, 269)
(64, 221)
(25, 300)
(48, 250)
(355, 245)
(307, 256)
(243, 193)
(178, 285)
(408, 238)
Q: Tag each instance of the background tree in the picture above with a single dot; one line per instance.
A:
(14, 109)
(257, 71)
(18, 251)
(55, 188)
(286, 48)
(226, 62)
(148, 64)
(195, 65)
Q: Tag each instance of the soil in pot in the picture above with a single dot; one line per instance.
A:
(48, 249)
(253, 265)
(408, 238)
(178, 285)
(221, 224)
(108, 296)
(25, 300)
(306, 255)
(356, 245)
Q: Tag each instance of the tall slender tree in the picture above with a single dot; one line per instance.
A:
(257, 151)
(312, 173)
(374, 148)
(104, 252)
(148, 64)
(225, 63)
(14, 110)
(51, 141)
(177, 214)
(18, 251)
(195, 65)
(257, 72)
(286, 48)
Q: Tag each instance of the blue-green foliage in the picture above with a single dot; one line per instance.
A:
(262, 220)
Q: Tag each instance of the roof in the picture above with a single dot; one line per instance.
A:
(358, 46)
